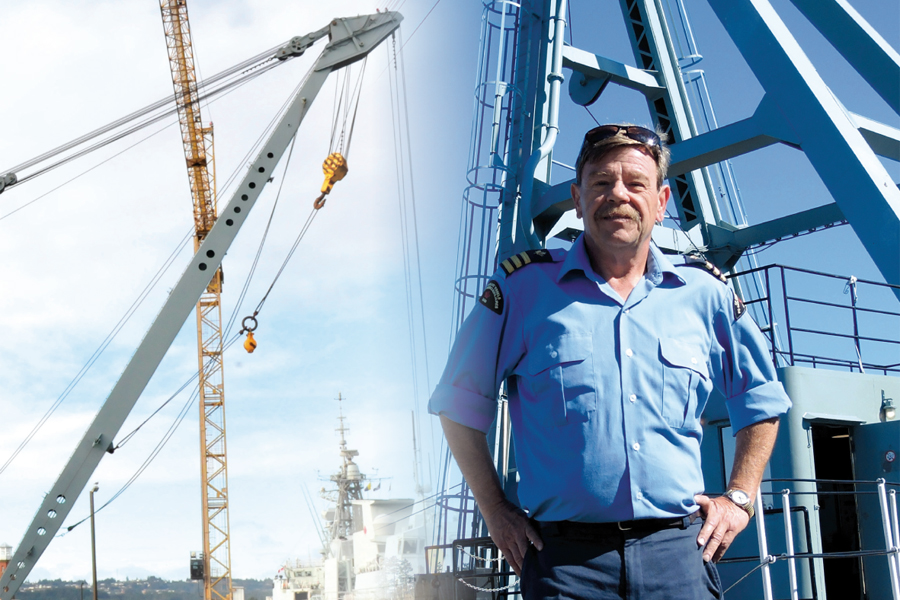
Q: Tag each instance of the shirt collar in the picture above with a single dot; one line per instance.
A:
(658, 265)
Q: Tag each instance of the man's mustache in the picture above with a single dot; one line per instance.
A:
(622, 211)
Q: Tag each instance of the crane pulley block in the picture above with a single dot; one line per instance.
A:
(335, 169)
(7, 180)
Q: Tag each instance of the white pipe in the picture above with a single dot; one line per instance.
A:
(555, 77)
(789, 539)
(499, 91)
(893, 565)
(894, 523)
(764, 557)
(896, 531)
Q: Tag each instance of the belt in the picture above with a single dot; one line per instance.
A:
(593, 530)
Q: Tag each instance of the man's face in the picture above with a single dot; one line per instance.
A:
(619, 200)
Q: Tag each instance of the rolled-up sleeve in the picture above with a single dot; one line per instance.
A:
(487, 348)
(743, 369)
(465, 407)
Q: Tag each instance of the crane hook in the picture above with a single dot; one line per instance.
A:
(335, 169)
(250, 342)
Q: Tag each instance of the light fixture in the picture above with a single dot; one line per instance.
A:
(888, 412)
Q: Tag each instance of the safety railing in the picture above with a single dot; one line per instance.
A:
(478, 570)
(829, 321)
(890, 529)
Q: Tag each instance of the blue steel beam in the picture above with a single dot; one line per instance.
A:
(729, 243)
(859, 43)
(884, 139)
(807, 220)
(851, 171)
(764, 128)
(596, 70)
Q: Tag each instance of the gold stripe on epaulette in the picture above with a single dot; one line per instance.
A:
(524, 258)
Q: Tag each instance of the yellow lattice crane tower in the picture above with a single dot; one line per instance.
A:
(198, 151)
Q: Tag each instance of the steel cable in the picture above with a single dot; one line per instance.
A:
(253, 62)
(100, 349)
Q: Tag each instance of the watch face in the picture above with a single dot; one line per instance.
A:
(740, 497)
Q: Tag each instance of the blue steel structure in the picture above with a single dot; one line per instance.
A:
(841, 437)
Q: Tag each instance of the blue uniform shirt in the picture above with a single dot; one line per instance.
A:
(605, 395)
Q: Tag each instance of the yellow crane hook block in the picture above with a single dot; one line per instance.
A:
(335, 169)
(250, 343)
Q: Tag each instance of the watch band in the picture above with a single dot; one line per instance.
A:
(741, 499)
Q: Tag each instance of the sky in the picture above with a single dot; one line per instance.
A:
(74, 259)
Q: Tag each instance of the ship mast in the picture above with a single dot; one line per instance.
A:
(349, 486)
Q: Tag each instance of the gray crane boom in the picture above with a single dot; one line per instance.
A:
(350, 40)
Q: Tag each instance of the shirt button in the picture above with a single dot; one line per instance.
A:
(693, 360)
(554, 354)
(639, 496)
(627, 310)
(636, 446)
(632, 397)
(628, 352)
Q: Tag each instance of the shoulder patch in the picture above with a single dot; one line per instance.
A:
(739, 307)
(492, 297)
(524, 258)
(695, 260)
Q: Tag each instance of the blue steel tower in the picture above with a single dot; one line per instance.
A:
(516, 200)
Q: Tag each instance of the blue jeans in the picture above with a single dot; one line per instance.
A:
(621, 565)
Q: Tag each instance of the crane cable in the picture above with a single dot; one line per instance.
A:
(142, 296)
(230, 78)
(408, 221)
(138, 301)
(334, 168)
(216, 94)
(343, 143)
(335, 165)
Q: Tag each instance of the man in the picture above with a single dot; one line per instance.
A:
(610, 353)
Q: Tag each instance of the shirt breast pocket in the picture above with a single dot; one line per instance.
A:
(683, 367)
(561, 379)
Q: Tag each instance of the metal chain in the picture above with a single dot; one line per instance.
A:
(487, 560)
(481, 589)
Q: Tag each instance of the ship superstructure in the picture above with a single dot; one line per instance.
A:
(371, 548)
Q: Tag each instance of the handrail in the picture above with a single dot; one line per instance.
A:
(811, 272)
(887, 502)
(788, 317)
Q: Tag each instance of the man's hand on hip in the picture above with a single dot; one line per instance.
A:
(724, 520)
(512, 532)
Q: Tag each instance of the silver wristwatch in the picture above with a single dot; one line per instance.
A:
(741, 498)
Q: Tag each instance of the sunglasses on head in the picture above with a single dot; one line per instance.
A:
(639, 134)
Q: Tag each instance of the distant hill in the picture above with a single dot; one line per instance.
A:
(151, 588)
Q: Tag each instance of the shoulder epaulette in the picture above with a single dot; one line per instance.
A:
(695, 260)
(524, 258)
